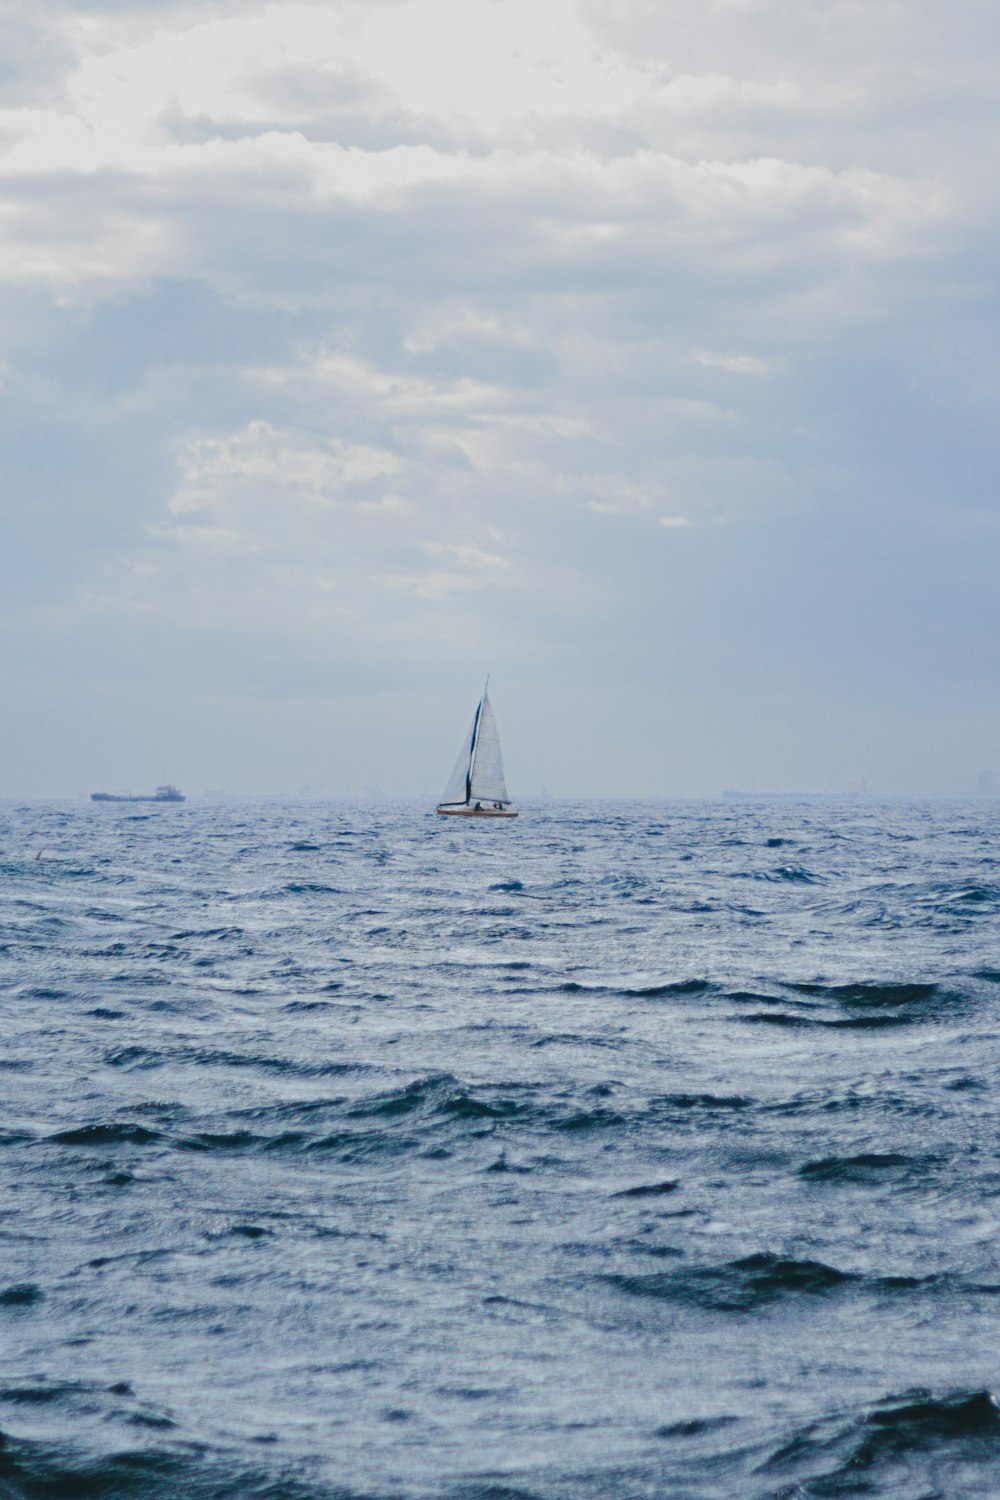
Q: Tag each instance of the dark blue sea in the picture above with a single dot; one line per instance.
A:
(618, 1151)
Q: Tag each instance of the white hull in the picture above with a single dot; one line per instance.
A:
(474, 812)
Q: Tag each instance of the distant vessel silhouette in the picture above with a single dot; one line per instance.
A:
(477, 788)
(162, 794)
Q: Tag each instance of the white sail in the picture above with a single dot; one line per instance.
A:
(487, 782)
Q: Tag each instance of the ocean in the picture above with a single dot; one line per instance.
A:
(620, 1150)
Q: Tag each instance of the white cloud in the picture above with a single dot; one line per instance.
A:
(216, 468)
(711, 91)
(734, 364)
(470, 555)
(445, 324)
(183, 139)
(419, 324)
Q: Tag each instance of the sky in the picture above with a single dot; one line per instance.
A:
(641, 353)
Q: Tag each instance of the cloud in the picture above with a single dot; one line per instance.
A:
(216, 468)
(735, 364)
(396, 329)
(172, 141)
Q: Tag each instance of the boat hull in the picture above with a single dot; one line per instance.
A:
(114, 797)
(472, 812)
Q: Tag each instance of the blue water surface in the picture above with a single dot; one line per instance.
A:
(618, 1150)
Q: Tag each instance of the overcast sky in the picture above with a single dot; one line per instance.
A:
(642, 353)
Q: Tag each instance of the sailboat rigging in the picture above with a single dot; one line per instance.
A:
(476, 787)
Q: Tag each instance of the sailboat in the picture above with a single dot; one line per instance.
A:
(476, 787)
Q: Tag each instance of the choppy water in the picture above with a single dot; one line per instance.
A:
(618, 1151)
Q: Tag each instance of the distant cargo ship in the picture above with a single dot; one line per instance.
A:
(162, 794)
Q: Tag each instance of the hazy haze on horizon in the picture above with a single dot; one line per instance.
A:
(640, 354)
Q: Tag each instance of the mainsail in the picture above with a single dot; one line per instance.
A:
(478, 773)
(486, 779)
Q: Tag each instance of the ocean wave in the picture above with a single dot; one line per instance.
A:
(240, 1140)
(21, 1294)
(106, 1133)
(311, 888)
(873, 993)
(138, 1058)
(756, 1281)
(744, 1285)
(693, 1427)
(865, 1167)
(31, 1470)
(860, 1005)
(413, 1096)
(899, 1440)
(658, 991)
(781, 1018)
(588, 1119)
(781, 875)
(648, 1190)
(703, 1101)
(410, 1117)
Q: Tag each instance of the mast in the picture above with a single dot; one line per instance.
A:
(475, 743)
